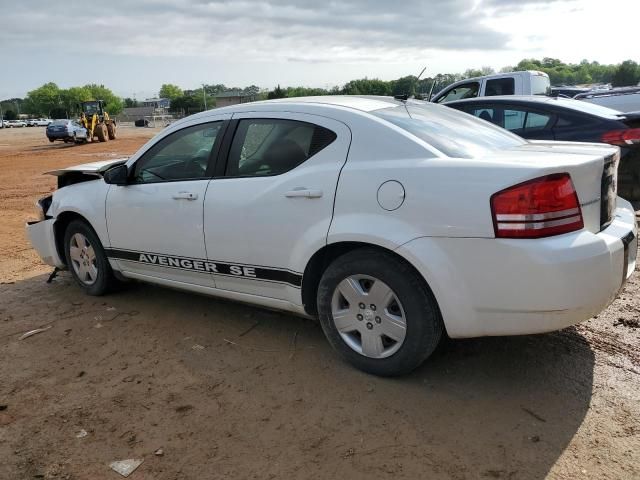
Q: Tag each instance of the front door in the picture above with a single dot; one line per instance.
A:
(272, 205)
(155, 223)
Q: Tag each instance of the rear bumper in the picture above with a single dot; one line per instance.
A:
(42, 237)
(58, 135)
(513, 286)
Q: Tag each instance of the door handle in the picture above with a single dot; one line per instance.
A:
(185, 196)
(303, 192)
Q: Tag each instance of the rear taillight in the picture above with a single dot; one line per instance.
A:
(541, 207)
(623, 138)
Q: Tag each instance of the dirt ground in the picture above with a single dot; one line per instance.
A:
(231, 391)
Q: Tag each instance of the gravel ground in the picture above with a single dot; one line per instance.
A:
(227, 390)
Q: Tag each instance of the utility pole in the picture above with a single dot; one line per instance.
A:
(204, 97)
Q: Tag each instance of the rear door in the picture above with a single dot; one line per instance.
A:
(270, 206)
(155, 223)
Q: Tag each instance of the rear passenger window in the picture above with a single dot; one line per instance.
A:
(536, 120)
(263, 147)
(500, 86)
(514, 119)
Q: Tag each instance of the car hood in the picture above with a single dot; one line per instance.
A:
(93, 168)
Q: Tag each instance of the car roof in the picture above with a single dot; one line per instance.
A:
(567, 103)
(360, 103)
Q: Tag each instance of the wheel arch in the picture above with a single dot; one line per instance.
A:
(63, 220)
(321, 259)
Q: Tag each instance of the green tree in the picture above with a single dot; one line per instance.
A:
(10, 115)
(627, 73)
(44, 99)
(481, 72)
(130, 102)
(71, 98)
(276, 93)
(190, 102)
(170, 91)
(367, 86)
(113, 103)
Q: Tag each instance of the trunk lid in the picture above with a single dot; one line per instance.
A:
(593, 168)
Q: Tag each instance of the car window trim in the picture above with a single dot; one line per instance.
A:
(225, 149)
(211, 161)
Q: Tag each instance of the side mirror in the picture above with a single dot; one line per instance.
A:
(117, 175)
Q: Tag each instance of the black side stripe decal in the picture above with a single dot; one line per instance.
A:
(207, 266)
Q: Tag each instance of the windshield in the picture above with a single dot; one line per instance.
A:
(60, 122)
(540, 85)
(454, 133)
(91, 108)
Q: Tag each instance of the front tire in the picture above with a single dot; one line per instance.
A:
(378, 313)
(87, 260)
(101, 131)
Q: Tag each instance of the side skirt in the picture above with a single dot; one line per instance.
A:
(271, 303)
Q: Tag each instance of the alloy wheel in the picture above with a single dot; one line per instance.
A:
(368, 316)
(83, 259)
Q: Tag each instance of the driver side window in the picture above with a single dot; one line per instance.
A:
(466, 90)
(183, 155)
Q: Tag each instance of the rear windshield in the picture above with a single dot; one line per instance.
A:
(454, 133)
(587, 107)
(540, 85)
(59, 122)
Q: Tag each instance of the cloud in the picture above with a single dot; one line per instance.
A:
(255, 30)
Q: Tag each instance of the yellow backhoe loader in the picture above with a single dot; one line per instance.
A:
(97, 121)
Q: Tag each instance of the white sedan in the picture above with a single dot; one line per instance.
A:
(391, 221)
(14, 123)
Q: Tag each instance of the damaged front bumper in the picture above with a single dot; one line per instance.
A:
(41, 234)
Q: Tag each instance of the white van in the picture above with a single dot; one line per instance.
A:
(528, 82)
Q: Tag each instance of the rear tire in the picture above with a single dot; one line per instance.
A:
(408, 303)
(87, 260)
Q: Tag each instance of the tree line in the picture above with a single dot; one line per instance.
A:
(51, 101)
(55, 102)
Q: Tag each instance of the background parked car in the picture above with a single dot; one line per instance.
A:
(528, 82)
(67, 131)
(14, 123)
(624, 99)
(545, 118)
(38, 122)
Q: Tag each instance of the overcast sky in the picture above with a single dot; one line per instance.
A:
(133, 46)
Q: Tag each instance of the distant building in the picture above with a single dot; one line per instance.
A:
(163, 103)
(234, 97)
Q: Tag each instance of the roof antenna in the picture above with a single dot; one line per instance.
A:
(405, 96)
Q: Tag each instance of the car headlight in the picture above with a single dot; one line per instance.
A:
(42, 207)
